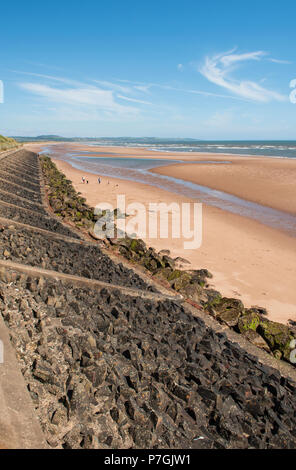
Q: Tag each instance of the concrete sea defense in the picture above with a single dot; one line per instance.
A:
(110, 358)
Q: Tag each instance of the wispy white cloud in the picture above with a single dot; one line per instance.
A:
(230, 58)
(197, 92)
(135, 85)
(217, 69)
(180, 67)
(66, 81)
(95, 98)
(279, 61)
(145, 87)
(88, 96)
(113, 86)
(40, 64)
(85, 93)
(134, 100)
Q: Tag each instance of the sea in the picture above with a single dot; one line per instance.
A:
(269, 148)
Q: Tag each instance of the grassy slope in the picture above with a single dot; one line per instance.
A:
(7, 143)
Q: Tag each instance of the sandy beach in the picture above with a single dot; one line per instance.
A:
(267, 181)
(248, 259)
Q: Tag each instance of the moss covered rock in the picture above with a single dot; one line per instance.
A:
(162, 273)
(137, 245)
(228, 310)
(168, 261)
(213, 298)
(175, 274)
(277, 335)
(277, 354)
(151, 265)
(63, 198)
(249, 321)
(181, 282)
(230, 317)
(153, 261)
(179, 279)
(195, 292)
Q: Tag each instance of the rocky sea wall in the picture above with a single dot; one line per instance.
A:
(125, 365)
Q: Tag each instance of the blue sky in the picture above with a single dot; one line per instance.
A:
(216, 70)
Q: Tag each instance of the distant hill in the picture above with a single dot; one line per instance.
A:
(58, 138)
(7, 143)
(44, 138)
(49, 137)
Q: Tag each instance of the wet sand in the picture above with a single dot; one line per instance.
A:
(249, 260)
(267, 181)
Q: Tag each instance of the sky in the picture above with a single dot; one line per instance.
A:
(219, 70)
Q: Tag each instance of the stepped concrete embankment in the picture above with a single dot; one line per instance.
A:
(105, 359)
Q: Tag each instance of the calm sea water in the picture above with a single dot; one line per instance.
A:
(269, 148)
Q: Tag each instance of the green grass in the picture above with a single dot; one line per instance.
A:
(7, 143)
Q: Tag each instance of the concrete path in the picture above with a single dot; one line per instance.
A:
(19, 427)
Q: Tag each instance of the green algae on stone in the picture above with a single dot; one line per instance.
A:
(277, 335)
(137, 245)
(168, 261)
(181, 282)
(63, 198)
(213, 299)
(249, 321)
(277, 354)
(175, 275)
(228, 310)
(230, 317)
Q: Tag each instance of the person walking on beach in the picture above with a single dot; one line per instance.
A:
(99, 180)
(83, 180)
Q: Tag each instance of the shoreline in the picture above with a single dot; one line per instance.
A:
(248, 259)
(164, 152)
(247, 179)
(255, 282)
(240, 184)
